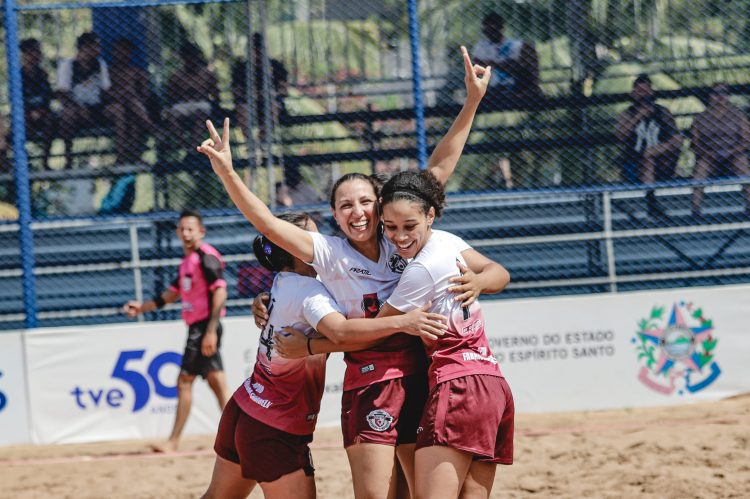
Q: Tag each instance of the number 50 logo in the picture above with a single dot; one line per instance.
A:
(126, 370)
(139, 382)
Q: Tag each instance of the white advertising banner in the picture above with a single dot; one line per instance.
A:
(119, 382)
(623, 350)
(558, 354)
(14, 415)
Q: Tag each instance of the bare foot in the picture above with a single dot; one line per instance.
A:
(165, 447)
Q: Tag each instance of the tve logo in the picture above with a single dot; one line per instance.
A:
(129, 368)
(3, 398)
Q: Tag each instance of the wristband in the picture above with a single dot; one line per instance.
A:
(158, 301)
(309, 350)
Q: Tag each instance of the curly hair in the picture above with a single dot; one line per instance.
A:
(272, 256)
(418, 187)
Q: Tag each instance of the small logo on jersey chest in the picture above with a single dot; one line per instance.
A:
(367, 369)
(379, 420)
(187, 283)
(355, 270)
(370, 305)
(397, 264)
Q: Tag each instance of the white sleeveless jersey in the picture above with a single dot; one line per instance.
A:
(286, 393)
(360, 286)
(463, 350)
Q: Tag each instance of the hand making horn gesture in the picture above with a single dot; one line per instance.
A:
(477, 78)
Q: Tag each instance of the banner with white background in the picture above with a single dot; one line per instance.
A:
(14, 415)
(623, 350)
(558, 354)
(119, 382)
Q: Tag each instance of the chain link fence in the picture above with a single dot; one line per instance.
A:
(610, 152)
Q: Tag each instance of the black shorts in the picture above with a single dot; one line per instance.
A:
(193, 361)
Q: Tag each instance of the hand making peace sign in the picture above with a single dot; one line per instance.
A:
(217, 149)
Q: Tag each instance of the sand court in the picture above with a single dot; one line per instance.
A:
(694, 450)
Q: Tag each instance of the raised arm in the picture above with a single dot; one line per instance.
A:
(288, 236)
(446, 154)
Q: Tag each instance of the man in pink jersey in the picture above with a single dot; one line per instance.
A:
(201, 287)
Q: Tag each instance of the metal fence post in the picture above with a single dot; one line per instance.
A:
(416, 72)
(135, 262)
(608, 241)
(267, 124)
(20, 162)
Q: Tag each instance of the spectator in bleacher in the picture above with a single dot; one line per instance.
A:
(278, 83)
(192, 93)
(720, 137)
(515, 63)
(129, 97)
(278, 87)
(37, 95)
(651, 141)
(82, 83)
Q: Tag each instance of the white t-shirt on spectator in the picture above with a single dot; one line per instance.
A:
(495, 54)
(89, 91)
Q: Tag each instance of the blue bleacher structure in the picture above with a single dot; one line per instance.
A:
(552, 242)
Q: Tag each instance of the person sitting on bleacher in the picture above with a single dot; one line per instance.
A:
(129, 98)
(515, 63)
(651, 141)
(37, 95)
(720, 137)
(82, 83)
(278, 85)
(192, 93)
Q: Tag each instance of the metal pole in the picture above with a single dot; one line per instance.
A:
(250, 104)
(20, 163)
(135, 262)
(416, 72)
(609, 244)
(267, 106)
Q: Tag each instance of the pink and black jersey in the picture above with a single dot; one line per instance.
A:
(463, 350)
(200, 273)
(360, 286)
(285, 393)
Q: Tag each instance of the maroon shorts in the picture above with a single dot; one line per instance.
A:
(473, 414)
(264, 454)
(384, 413)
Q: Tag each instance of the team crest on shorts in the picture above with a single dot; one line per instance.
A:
(379, 420)
(676, 354)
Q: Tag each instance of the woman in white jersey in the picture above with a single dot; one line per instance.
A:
(467, 425)
(360, 271)
(266, 427)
